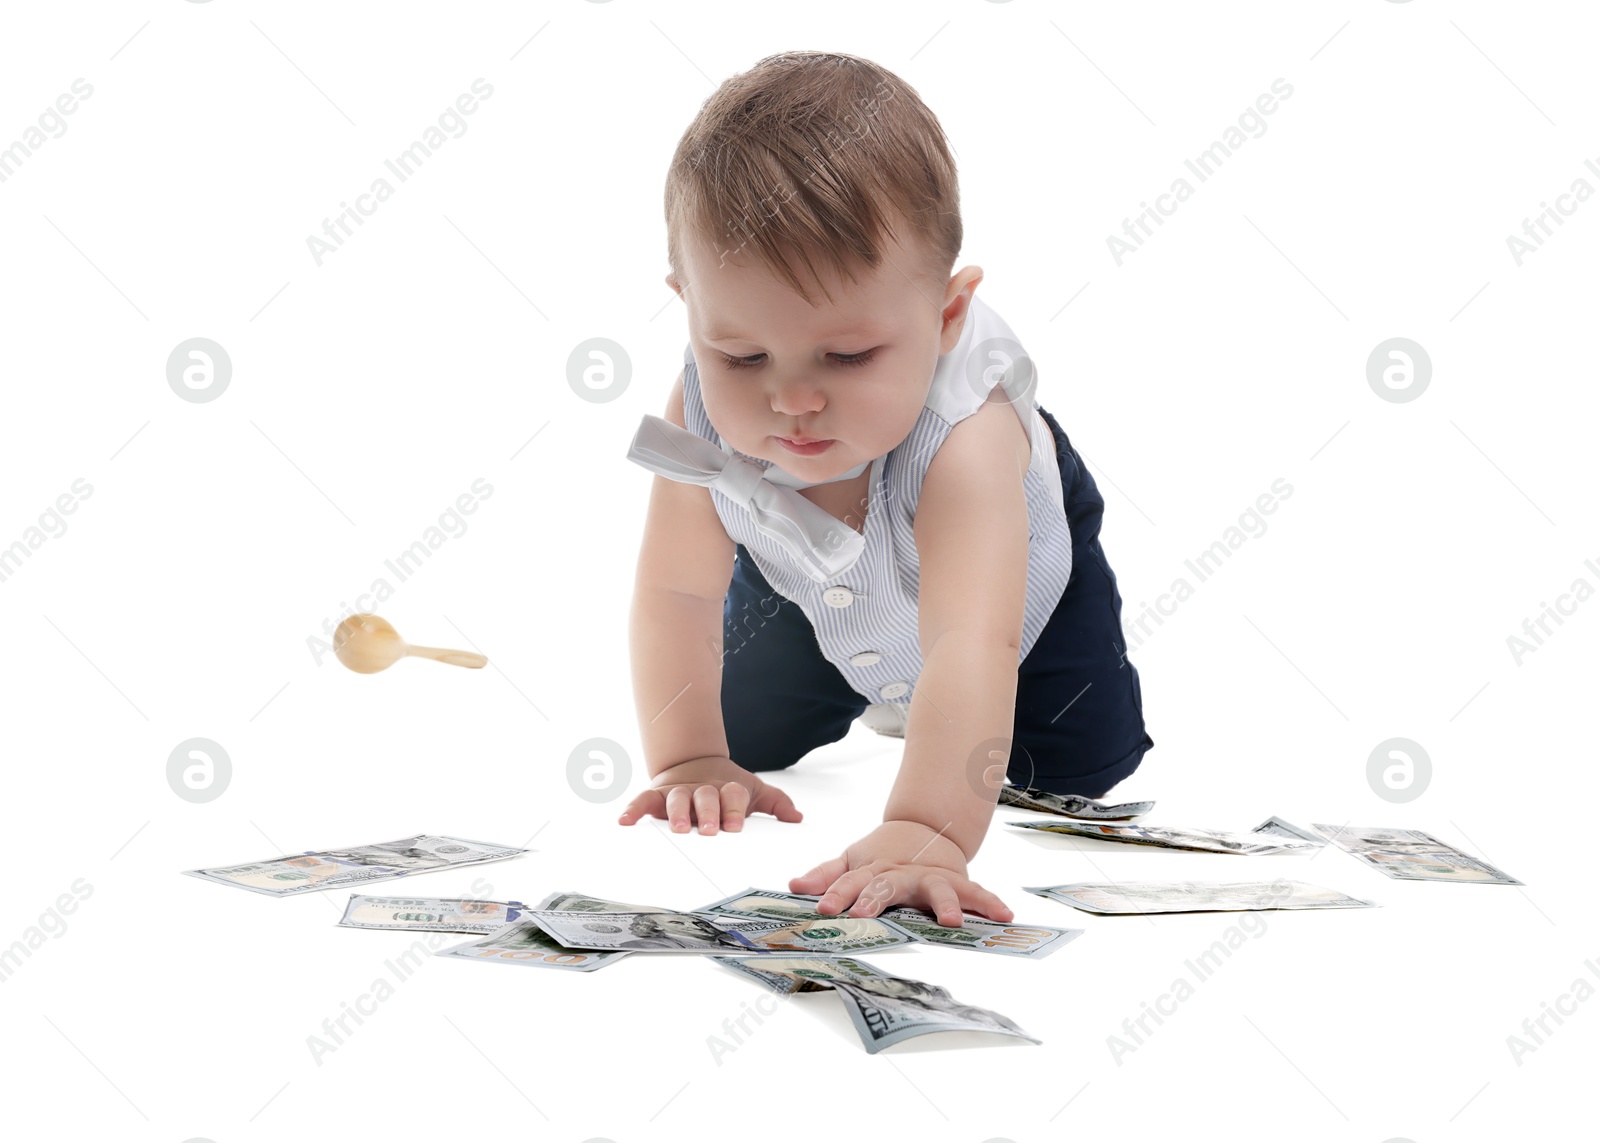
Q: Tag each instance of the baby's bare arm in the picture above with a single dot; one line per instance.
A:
(972, 538)
(675, 636)
(675, 625)
(972, 534)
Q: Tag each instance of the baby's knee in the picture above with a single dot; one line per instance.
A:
(765, 761)
(1092, 782)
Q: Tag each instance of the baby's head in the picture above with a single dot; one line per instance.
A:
(813, 221)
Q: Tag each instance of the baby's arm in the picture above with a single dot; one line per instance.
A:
(675, 627)
(675, 637)
(972, 544)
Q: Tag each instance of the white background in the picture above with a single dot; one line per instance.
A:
(370, 391)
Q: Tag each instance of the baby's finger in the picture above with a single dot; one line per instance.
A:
(877, 896)
(735, 804)
(976, 899)
(774, 801)
(707, 807)
(842, 894)
(678, 808)
(649, 804)
(819, 878)
(943, 901)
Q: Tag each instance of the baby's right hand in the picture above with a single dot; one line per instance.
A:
(709, 790)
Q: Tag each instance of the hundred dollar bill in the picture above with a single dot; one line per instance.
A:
(716, 932)
(767, 903)
(317, 869)
(795, 974)
(975, 932)
(583, 903)
(886, 1012)
(1195, 896)
(1069, 805)
(1173, 837)
(1411, 855)
(523, 942)
(885, 1009)
(429, 914)
(980, 934)
(1277, 826)
(798, 974)
(774, 904)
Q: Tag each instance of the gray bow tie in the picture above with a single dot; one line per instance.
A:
(821, 545)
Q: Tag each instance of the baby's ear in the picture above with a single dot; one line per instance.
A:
(673, 282)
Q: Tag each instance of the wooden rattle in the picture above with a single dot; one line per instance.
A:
(366, 644)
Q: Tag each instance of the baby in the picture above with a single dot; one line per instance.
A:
(861, 504)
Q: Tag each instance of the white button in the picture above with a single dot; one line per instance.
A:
(893, 690)
(865, 659)
(838, 596)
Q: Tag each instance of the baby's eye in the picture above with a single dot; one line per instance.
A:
(754, 359)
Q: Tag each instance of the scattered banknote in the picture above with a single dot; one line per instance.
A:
(318, 869)
(885, 1009)
(888, 1010)
(583, 903)
(1069, 805)
(668, 931)
(1411, 855)
(785, 975)
(429, 914)
(1195, 896)
(1172, 837)
(767, 903)
(1277, 826)
(977, 933)
(524, 942)
(981, 934)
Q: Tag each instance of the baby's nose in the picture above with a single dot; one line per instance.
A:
(797, 395)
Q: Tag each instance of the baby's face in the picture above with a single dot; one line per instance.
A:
(854, 372)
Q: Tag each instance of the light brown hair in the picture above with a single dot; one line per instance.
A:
(819, 156)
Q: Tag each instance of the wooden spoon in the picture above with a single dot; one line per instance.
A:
(366, 644)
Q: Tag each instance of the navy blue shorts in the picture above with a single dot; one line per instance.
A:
(1079, 725)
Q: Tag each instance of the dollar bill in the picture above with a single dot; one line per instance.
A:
(885, 1009)
(1069, 805)
(583, 903)
(767, 903)
(1124, 897)
(786, 975)
(525, 943)
(1172, 837)
(798, 974)
(977, 933)
(667, 931)
(1280, 828)
(980, 934)
(429, 914)
(1411, 855)
(319, 869)
(887, 1012)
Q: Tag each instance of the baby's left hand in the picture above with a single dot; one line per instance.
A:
(901, 863)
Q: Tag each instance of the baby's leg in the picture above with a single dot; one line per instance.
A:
(780, 698)
(1080, 712)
